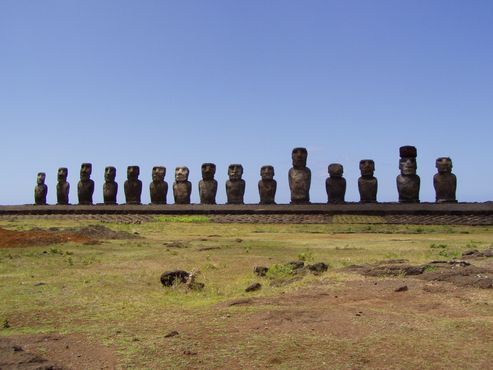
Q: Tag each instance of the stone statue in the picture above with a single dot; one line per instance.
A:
(444, 181)
(62, 187)
(158, 187)
(335, 185)
(85, 187)
(40, 190)
(267, 186)
(300, 177)
(110, 186)
(367, 183)
(182, 188)
(235, 186)
(208, 186)
(408, 182)
(133, 186)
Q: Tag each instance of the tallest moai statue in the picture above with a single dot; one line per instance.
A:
(300, 177)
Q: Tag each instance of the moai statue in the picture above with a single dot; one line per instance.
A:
(408, 182)
(40, 190)
(182, 188)
(133, 186)
(85, 187)
(444, 181)
(62, 187)
(208, 186)
(300, 177)
(367, 183)
(110, 186)
(335, 185)
(267, 186)
(158, 187)
(235, 186)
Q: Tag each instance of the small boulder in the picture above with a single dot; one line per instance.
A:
(260, 270)
(168, 278)
(253, 287)
(318, 267)
(295, 265)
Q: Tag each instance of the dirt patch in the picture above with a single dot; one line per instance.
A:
(56, 352)
(39, 237)
(458, 272)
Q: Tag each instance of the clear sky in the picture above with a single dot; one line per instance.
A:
(156, 82)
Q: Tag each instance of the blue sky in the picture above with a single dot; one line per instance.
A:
(119, 82)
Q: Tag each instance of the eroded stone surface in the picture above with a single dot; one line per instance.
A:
(208, 185)
(299, 177)
(367, 183)
(110, 187)
(335, 185)
(62, 187)
(267, 186)
(158, 188)
(85, 187)
(133, 186)
(445, 182)
(235, 186)
(408, 182)
(41, 189)
(182, 188)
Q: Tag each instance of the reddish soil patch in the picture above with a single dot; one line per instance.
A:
(55, 352)
(32, 238)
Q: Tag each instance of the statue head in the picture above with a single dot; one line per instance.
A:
(208, 171)
(367, 167)
(235, 171)
(62, 174)
(133, 172)
(299, 156)
(336, 170)
(444, 165)
(85, 171)
(267, 172)
(181, 174)
(407, 162)
(41, 178)
(158, 173)
(109, 174)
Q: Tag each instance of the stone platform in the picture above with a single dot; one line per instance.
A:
(375, 213)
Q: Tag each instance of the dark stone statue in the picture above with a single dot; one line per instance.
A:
(110, 186)
(444, 181)
(182, 188)
(208, 186)
(62, 187)
(40, 190)
(85, 187)
(158, 187)
(408, 182)
(300, 177)
(335, 185)
(235, 186)
(267, 186)
(133, 186)
(367, 183)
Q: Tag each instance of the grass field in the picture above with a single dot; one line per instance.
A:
(110, 294)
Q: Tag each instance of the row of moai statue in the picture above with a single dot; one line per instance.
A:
(408, 183)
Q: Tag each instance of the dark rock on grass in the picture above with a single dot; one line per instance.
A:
(393, 270)
(260, 270)
(196, 286)
(173, 333)
(474, 253)
(403, 288)
(253, 287)
(318, 267)
(168, 278)
(295, 265)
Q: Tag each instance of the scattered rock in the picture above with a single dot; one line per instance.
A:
(403, 288)
(318, 267)
(175, 244)
(39, 284)
(260, 270)
(474, 253)
(173, 333)
(253, 287)
(207, 248)
(295, 265)
(168, 278)
(238, 302)
(238, 240)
